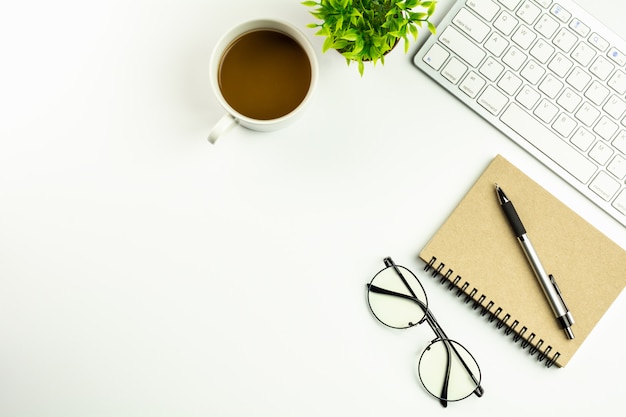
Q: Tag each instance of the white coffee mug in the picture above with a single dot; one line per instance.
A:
(233, 116)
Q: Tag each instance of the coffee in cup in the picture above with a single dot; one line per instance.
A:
(263, 73)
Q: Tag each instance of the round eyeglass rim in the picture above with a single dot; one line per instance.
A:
(411, 324)
(419, 374)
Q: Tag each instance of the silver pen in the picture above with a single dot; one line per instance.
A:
(548, 283)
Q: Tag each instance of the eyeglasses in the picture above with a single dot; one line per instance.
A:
(446, 369)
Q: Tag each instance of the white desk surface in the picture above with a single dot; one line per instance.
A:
(144, 272)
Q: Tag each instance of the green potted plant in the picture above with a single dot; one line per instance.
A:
(366, 30)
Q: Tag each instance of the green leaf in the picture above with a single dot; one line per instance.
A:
(361, 67)
(356, 13)
(432, 28)
(358, 46)
(323, 31)
(375, 52)
(340, 44)
(328, 44)
(310, 3)
(411, 3)
(418, 16)
(339, 24)
(351, 35)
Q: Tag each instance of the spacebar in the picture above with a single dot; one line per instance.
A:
(548, 143)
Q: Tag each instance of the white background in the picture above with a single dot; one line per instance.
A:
(144, 272)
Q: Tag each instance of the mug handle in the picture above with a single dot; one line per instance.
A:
(224, 124)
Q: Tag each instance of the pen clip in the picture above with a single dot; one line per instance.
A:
(558, 290)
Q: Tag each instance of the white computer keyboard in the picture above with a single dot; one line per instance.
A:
(549, 76)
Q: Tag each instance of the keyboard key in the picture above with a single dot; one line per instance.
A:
(583, 139)
(605, 128)
(560, 65)
(561, 14)
(617, 167)
(471, 25)
(505, 22)
(472, 84)
(487, 9)
(509, 83)
(514, 58)
(454, 70)
(569, 100)
(524, 37)
(597, 93)
(462, 46)
(492, 100)
(542, 51)
(579, 27)
(583, 54)
(564, 125)
(550, 86)
(547, 26)
(587, 114)
(491, 69)
(617, 56)
(601, 153)
(532, 72)
(599, 42)
(615, 107)
(604, 186)
(528, 97)
(578, 78)
(551, 145)
(496, 44)
(601, 67)
(565, 40)
(618, 82)
(436, 56)
(546, 111)
(528, 12)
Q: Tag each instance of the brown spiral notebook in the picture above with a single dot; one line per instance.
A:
(476, 254)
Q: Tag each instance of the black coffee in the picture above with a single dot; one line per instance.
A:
(264, 74)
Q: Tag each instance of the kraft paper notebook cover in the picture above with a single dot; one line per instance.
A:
(476, 252)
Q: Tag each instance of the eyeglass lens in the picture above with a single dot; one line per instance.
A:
(397, 303)
(443, 370)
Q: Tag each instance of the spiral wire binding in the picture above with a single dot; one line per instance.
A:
(493, 316)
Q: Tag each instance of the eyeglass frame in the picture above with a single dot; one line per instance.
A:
(432, 322)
